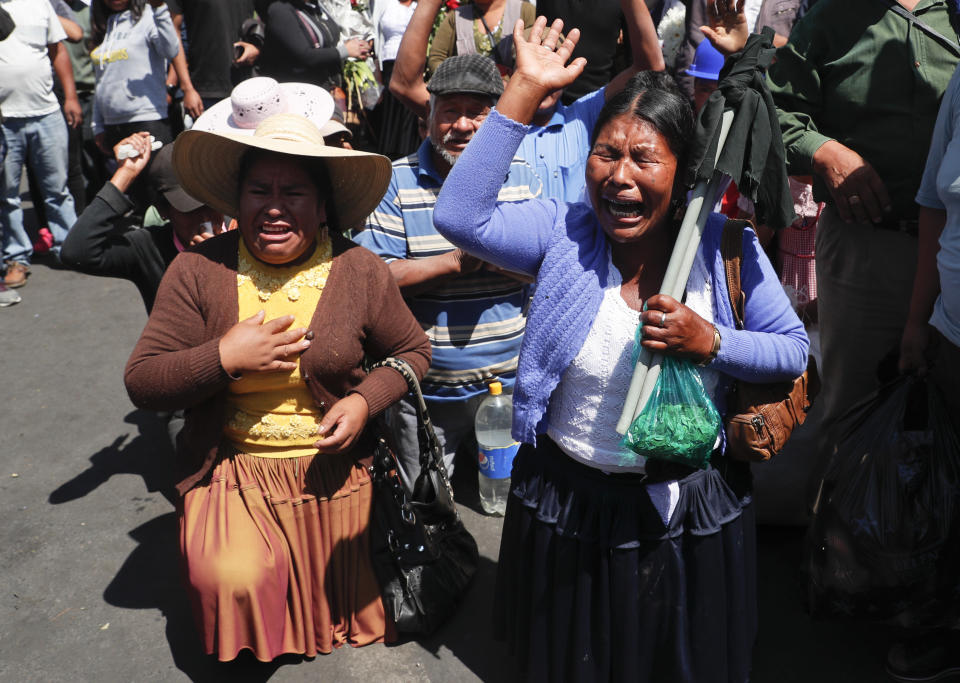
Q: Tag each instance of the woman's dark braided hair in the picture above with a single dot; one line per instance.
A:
(99, 13)
(654, 97)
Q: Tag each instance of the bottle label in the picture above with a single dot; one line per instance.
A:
(496, 463)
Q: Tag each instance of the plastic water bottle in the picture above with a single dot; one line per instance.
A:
(496, 449)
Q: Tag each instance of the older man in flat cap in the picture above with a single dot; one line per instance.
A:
(472, 312)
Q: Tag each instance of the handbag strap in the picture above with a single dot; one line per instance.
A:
(920, 24)
(731, 249)
(431, 455)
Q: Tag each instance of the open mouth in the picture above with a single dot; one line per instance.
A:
(622, 209)
(451, 140)
(274, 231)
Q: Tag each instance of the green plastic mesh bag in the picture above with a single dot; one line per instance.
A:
(679, 423)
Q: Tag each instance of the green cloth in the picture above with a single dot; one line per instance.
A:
(856, 72)
(753, 153)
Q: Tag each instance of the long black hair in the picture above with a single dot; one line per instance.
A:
(654, 97)
(99, 13)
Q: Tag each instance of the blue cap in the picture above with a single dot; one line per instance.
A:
(707, 62)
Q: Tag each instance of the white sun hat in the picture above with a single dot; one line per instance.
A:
(256, 99)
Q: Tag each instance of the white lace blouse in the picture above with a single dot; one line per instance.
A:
(585, 406)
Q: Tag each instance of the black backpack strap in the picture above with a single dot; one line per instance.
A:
(926, 28)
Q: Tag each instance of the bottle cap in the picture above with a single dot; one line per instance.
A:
(495, 388)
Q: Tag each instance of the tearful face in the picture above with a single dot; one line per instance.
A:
(630, 178)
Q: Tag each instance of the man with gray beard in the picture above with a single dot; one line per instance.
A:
(471, 311)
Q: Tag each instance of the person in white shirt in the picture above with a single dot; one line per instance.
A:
(33, 128)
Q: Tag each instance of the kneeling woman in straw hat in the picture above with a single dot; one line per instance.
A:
(260, 334)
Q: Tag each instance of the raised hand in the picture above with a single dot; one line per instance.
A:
(542, 58)
(132, 166)
(541, 68)
(141, 145)
(727, 30)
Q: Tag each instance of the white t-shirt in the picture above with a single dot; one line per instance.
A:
(752, 10)
(26, 76)
(392, 25)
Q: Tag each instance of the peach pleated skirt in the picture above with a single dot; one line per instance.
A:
(276, 555)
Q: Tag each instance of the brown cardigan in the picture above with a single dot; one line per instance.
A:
(176, 362)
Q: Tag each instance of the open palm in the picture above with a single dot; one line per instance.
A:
(541, 61)
(727, 30)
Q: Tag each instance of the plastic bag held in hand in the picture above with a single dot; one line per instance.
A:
(881, 544)
(679, 423)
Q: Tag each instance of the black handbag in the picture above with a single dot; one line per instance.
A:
(423, 555)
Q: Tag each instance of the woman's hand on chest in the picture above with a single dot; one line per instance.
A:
(253, 345)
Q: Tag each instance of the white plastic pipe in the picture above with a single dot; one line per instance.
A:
(647, 369)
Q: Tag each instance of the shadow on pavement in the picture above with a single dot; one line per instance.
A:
(469, 634)
(149, 454)
(150, 579)
(791, 646)
(150, 576)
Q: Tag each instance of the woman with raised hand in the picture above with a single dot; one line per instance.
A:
(612, 568)
(261, 334)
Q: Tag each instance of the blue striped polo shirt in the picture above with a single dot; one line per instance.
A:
(475, 321)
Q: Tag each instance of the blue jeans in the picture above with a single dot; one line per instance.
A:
(41, 142)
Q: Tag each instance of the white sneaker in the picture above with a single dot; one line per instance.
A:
(8, 297)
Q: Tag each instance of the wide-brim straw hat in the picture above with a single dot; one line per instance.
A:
(208, 166)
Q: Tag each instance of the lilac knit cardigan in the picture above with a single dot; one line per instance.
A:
(563, 246)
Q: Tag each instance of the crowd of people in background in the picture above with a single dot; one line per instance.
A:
(570, 121)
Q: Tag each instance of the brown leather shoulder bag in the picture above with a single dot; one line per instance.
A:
(760, 417)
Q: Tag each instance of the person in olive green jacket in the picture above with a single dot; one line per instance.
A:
(858, 87)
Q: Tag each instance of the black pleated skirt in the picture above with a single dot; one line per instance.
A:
(593, 586)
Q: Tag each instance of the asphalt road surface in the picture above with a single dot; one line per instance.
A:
(88, 548)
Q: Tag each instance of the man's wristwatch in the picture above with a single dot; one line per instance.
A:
(714, 351)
